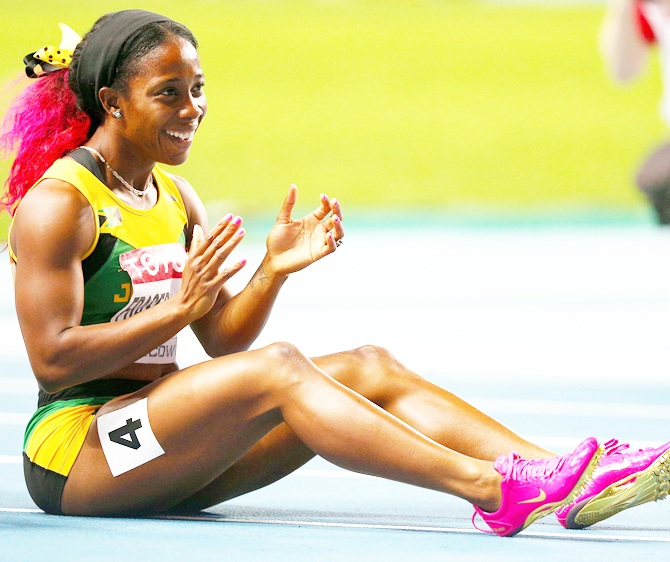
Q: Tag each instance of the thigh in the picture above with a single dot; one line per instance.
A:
(204, 418)
(275, 456)
(281, 452)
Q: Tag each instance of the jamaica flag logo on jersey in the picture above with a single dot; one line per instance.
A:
(109, 217)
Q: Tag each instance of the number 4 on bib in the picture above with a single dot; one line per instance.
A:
(118, 435)
(127, 438)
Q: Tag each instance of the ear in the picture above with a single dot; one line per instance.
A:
(109, 99)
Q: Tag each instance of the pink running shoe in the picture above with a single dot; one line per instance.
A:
(623, 479)
(533, 489)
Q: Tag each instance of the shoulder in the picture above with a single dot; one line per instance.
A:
(54, 198)
(195, 209)
(54, 213)
(184, 187)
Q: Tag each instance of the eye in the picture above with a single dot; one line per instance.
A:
(169, 92)
(198, 89)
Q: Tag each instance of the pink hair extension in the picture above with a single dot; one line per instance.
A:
(42, 125)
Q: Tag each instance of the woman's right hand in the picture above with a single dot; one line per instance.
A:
(205, 272)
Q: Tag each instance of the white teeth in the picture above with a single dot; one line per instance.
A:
(182, 136)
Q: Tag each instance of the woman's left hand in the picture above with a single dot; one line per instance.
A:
(294, 244)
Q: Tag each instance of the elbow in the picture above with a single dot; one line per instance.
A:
(56, 363)
(48, 383)
(216, 344)
(219, 349)
(50, 376)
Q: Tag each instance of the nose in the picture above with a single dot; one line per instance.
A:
(193, 108)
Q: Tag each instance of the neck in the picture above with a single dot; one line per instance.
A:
(127, 163)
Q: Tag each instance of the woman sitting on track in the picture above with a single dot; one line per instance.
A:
(111, 262)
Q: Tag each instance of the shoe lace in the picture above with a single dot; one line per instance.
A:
(517, 468)
(613, 447)
(512, 466)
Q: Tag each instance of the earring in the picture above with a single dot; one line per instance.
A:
(117, 114)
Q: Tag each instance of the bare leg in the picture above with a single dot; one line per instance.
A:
(379, 376)
(208, 416)
(375, 374)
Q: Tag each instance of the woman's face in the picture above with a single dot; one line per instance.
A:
(164, 103)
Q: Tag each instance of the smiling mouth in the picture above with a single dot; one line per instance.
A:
(186, 137)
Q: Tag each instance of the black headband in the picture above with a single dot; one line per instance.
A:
(100, 52)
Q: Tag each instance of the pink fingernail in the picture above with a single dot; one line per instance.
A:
(242, 262)
(237, 221)
(336, 218)
(228, 217)
(240, 232)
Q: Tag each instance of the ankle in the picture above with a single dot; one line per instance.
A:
(489, 490)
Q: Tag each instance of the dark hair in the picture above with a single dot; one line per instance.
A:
(49, 119)
(148, 38)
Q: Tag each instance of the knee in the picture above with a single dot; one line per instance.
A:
(380, 369)
(285, 362)
(375, 357)
(280, 352)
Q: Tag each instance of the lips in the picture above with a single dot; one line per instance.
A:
(186, 136)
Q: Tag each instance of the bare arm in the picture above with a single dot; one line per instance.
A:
(235, 322)
(52, 231)
(234, 325)
(623, 48)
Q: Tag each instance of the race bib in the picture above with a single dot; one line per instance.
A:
(155, 273)
(127, 438)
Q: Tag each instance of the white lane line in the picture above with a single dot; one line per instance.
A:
(573, 536)
(453, 530)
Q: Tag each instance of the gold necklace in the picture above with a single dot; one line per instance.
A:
(138, 192)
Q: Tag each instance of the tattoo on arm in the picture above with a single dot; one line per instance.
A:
(259, 278)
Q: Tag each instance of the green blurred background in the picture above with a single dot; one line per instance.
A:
(458, 111)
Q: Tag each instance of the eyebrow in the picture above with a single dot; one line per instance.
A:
(174, 80)
(199, 76)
